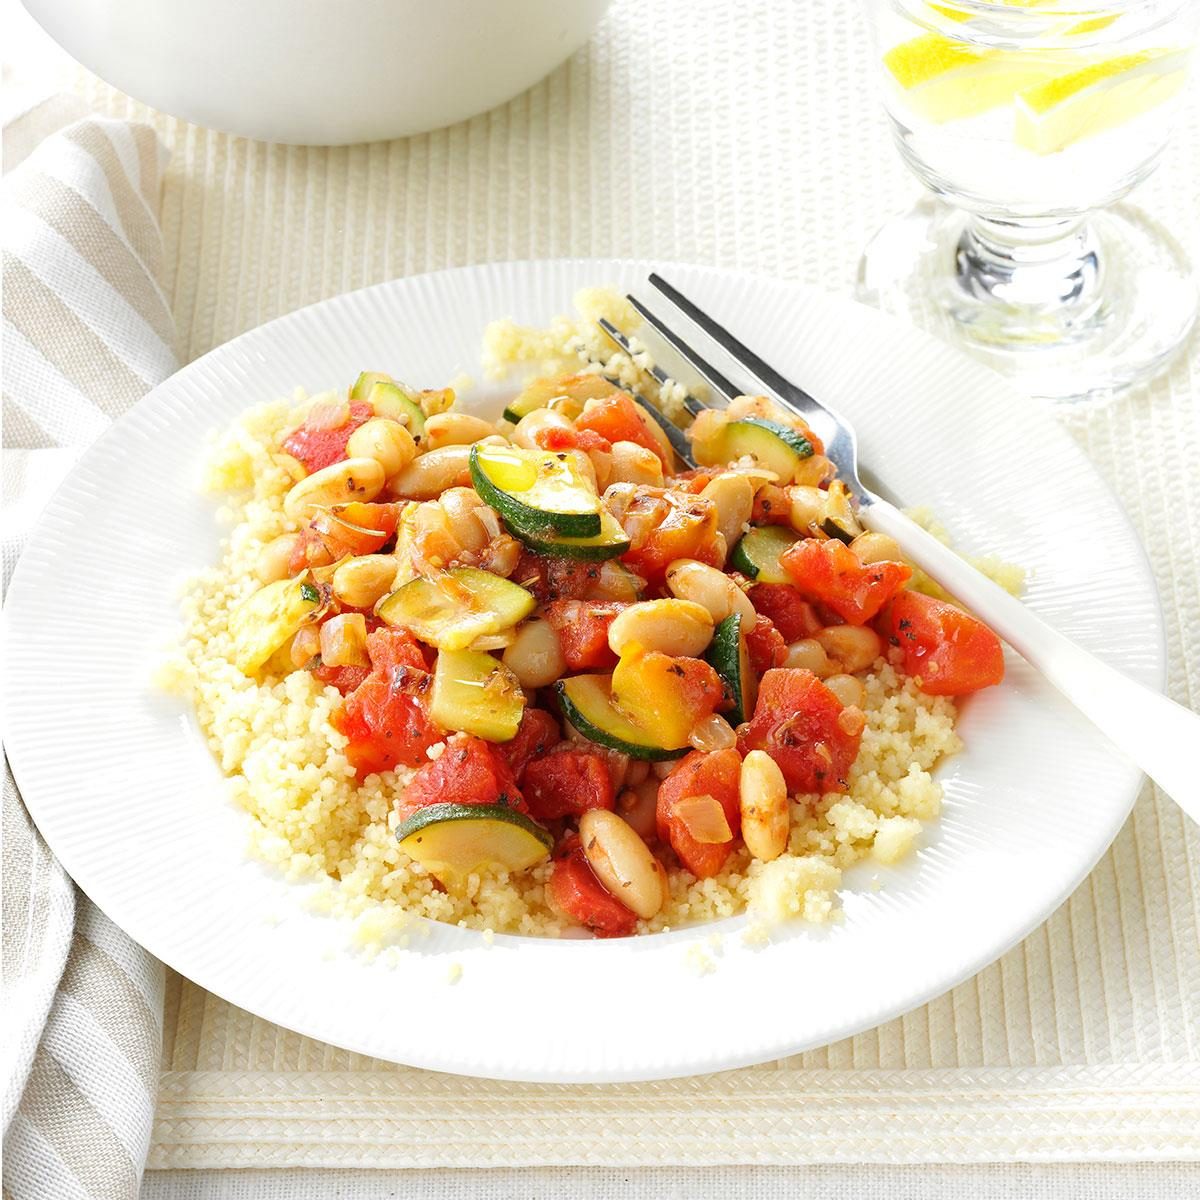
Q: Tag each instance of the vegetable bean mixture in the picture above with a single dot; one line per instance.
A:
(532, 674)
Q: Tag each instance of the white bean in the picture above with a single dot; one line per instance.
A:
(340, 483)
(462, 505)
(274, 557)
(525, 434)
(710, 588)
(679, 628)
(763, 800)
(850, 648)
(848, 689)
(808, 655)
(387, 442)
(734, 497)
(876, 547)
(456, 429)
(535, 656)
(429, 475)
(623, 862)
(363, 581)
(807, 508)
(632, 463)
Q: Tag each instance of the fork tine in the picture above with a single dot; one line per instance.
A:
(622, 342)
(792, 394)
(675, 435)
(710, 373)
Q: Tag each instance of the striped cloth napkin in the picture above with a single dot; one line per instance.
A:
(87, 331)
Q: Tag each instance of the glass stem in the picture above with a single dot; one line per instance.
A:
(1038, 264)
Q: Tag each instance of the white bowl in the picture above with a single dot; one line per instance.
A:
(322, 72)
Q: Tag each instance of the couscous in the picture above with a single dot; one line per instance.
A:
(536, 673)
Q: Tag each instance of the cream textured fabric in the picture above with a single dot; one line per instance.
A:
(742, 135)
(87, 331)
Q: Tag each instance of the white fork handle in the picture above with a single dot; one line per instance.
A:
(1160, 736)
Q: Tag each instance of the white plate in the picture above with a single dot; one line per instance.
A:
(121, 785)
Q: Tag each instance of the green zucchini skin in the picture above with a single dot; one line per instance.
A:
(435, 814)
(728, 656)
(611, 542)
(422, 608)
(453, 840)
(528, 518)
(586, 702)
(757, 552)
(770, 444)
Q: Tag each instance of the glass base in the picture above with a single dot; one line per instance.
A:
(1118, 316)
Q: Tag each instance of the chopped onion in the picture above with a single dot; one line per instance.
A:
(712, 733)
(344, 641)
(489, 520)
(494, 641)
(328, 414)
(306, 645)
(704, 819)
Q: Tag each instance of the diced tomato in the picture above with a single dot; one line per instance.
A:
(765, 645)
(665, 525)
(535, 735)
(617, 419)
(771, 506)
(349, 529)
(345, 679)
(582, 628)
(577, 893)
(802, 725)
(554, 437)
(468, 771)
(717, 775)
(566, 783)
(552, 578)
(387, 647)
(787, 610)
(319, 448)
(385, 717)
(694, 480)
(951, 651)
(830, 573)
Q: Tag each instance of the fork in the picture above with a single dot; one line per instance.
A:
(1157, 734)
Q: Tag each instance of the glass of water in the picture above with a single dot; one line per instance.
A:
(1027, 120)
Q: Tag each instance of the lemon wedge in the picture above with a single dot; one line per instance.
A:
(1056, 113)
(1090, 24)
(947, 79)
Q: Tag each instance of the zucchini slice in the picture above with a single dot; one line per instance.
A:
(728, 656)
(587, 703)
(574, 389)
(757, 554)
(537, 491)
(476, 693)
(610, 542)
(265, 621)
(389, 399)
(771, 445)
(840, 520)
(453, 840)
(463, 605)
(365, 382)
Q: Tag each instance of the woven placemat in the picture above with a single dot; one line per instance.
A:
(742, 135)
